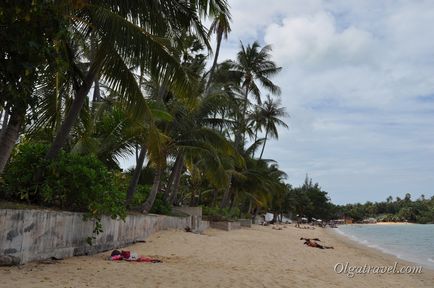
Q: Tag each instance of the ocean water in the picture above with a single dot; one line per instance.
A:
(412, 242)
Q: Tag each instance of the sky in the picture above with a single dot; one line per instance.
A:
(358, 84)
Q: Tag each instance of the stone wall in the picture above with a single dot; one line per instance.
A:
(40, 234)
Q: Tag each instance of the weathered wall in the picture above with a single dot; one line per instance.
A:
(225, 225)
(41, 234)
(197, 224)
(245, 222)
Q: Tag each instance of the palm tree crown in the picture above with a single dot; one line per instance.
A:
(272, 112)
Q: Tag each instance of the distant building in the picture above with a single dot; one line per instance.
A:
(348, 220)
(370, 221)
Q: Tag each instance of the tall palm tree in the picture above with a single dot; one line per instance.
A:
(220, 26)
(256, 67)
(272, 112)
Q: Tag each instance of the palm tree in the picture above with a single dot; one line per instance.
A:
(272, 112)
(127, 34)
(254, 64)
(220, 26)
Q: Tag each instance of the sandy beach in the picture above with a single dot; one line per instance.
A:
(255, 257)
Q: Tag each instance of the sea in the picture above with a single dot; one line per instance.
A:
(411, 242)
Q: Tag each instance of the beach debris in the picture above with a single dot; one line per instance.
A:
(51, 260)
(188, 229)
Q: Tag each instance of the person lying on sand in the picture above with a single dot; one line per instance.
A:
(308, 239)
(312, 243)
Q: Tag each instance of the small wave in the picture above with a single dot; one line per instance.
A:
(431, 260)
(353, 237)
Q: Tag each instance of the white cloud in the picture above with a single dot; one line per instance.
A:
(353, 75)
(315, 40)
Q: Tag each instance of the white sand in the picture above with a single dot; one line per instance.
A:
(255, 257)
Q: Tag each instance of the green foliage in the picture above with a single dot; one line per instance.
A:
(19, 176)
(161, 206)
(220, 214)
(73, 182)
(418, 211)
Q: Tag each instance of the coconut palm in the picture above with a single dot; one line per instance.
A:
(254, 65)
(272, 112)
(220, 26)
(127, 34)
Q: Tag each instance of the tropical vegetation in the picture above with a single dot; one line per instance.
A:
(405, 209)
(84, 84)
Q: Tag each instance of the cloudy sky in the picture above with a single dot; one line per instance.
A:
(358, 83)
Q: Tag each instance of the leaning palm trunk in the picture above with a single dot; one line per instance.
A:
(214, 64)
(9, 137)
(263, 146)
(4, 124)
(177, 167)
(73, 113)
(147, 206)
(136, 176)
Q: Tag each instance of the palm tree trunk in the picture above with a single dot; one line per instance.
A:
(9, 137)
(176, 181)
(232, 200)
(256, 139)
(255, 213)
(96, 92)
(226, 194)
(249, 209)
(214, 197)
(147, 206)
(214, 63)
(177, 166)
(244, 124)
(136, 176)
(73, 113)
(4, 124)
(265, 141)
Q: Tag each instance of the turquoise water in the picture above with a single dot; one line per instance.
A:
(412, 242)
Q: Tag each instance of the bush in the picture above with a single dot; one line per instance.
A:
(19, 176)
(220, 214)
(74, 182)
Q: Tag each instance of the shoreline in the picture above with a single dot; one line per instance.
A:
(373, 251)
(250, 257)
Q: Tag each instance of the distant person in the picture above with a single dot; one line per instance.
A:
(314, 244)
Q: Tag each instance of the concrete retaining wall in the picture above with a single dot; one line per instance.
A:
(224, 225)
(196, 217)
(40, 234)
(245, 222)
(204, 225)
